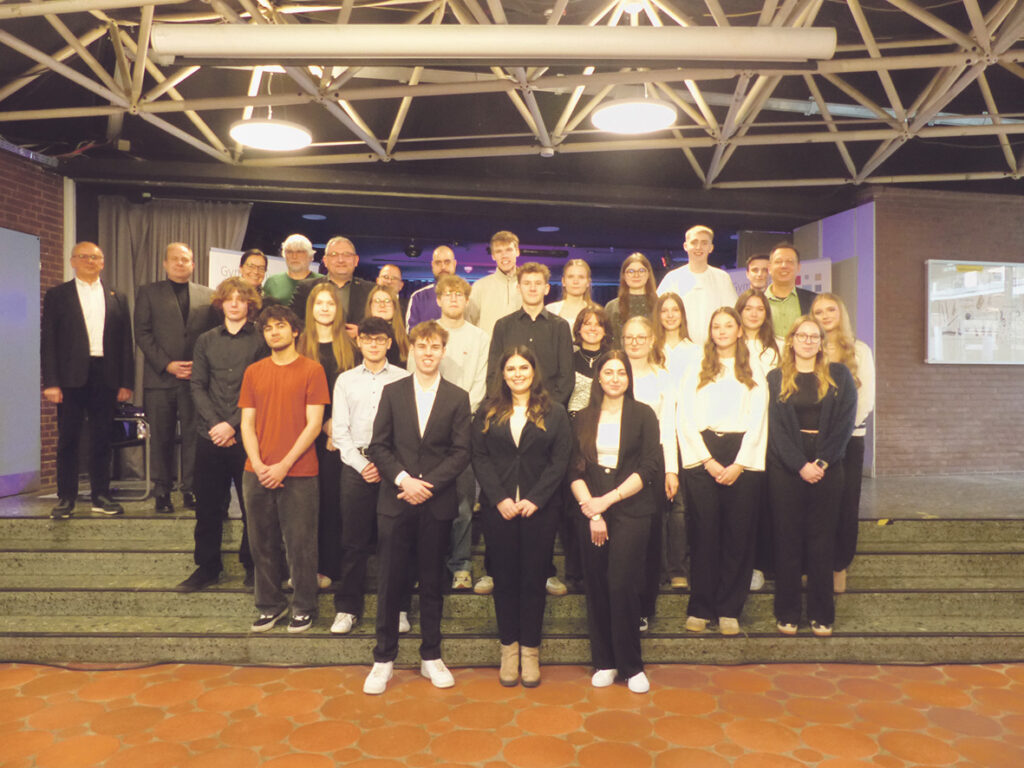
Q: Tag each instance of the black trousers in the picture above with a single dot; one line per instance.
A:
(849, 504)
(413, 537)
(764, 528)
(329, 522)
(805, 516)
(96, 401)
(655, 542)
(569, 536)
(358, 540)
(216, 469)
(164, 409)
(520, 550)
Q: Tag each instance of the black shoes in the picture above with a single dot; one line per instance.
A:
(163, 504)
(199, 579)
(63, 510)
(188, 499)
(103, 503)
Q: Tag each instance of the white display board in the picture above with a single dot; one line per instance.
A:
(975, 312)
(224, 264)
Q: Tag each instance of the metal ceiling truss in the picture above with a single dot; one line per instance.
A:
(716, 124)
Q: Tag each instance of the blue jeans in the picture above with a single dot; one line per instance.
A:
(282, 530)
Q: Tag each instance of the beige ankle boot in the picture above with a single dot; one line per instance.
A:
(531, 667)
(508, 675)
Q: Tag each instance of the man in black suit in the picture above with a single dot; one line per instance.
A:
(341, 260)
(420, 444)
(87, 365)
(170, 315)
(786, 301)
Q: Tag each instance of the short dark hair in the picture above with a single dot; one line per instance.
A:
(757, 257)
(253, 252)
(784, 244)
(279, 312)
(376, 326)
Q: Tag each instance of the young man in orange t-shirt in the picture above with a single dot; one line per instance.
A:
(282, 401)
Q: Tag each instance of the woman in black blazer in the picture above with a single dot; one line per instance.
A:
(616, 460)
(521, 447)
(812, 405)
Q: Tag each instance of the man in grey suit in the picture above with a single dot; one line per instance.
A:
(169, 316)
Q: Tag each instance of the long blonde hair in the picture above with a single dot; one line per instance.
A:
(308, 343)
(655, 354)
(711, 366)
(788, 363)
(587, 299)
(845, 341)
(401, 338)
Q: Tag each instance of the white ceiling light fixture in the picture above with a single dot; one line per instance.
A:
(270, 134)
(634, 112)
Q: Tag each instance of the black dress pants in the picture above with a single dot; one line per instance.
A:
(849, 504)
(358, 540)
(217, 468)
(520, 550)
(329, 522)
(166, 408)
(96, 401)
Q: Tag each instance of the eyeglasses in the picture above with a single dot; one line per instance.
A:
(635, 339)
(452, 295)
(382, 300)
(254, 268)
(636, 272)
(336, 255)
(89, 256)
(373, 341)
(807, 337)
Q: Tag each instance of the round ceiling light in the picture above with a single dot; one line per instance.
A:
(634, 115)
(271, 135)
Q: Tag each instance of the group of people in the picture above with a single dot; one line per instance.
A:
(680, 433)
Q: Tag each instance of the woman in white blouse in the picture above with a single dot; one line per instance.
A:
(653, 386)
(671, 334)
(722, 425)
(575, 291)
(756, 319)
(841, 346)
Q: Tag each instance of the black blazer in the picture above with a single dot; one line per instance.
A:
(838, 414)
(639, 451)
(536, 466)
(161, 334)
(357, 296)
(65, 340)
(438, 457)
(806, 298)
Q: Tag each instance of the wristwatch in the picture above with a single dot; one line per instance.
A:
(596, 517)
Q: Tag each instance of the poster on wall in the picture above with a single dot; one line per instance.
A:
(975, 312)
(224, 264)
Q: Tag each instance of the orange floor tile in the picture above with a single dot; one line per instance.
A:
(829, 716)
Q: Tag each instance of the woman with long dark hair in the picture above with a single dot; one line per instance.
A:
(615, 463)
(722, 418)
(841, 346)
(637, 293)
(521, 447)
(811, 411)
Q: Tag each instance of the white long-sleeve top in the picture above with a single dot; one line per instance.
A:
(724, 405)
(657, 389)
(679, 357)
(866, 390)
(761, 356)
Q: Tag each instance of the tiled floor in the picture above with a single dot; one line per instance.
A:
(828, 716)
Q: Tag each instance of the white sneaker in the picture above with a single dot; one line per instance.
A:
(343, 624)
(728, 625)
(484, 585)
(377, 681)
(404, 627)
(756, 580)
(437, 673)
(639, 683)
(555, 587)
(603, 678)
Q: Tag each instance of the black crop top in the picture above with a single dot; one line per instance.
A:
(805, 401)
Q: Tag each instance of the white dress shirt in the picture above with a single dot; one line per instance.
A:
(356, 398)
(94, 309)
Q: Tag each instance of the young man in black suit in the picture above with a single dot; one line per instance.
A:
(88, 365)
(420, 444)
(170, 315)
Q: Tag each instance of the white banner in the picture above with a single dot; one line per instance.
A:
(224, 264)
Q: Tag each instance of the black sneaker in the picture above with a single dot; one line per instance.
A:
(300, 622)
(266, 621)
(163, 504)
(64, 509)
(188, 499)
(103, 503)
(199, 579)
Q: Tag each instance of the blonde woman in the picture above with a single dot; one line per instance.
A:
(841, 346)
(812, 406)
(575, 291)
(383, 303)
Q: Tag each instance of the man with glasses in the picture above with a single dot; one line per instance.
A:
(298, 255)
(170, 315)
(464, 365)
(786, 301)
(423, 304)
(390, 277)
(88, 365)
(702, 287)
(356, 397)
(341, 260)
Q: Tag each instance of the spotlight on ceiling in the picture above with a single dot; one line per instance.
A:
(632, 111)
(314, 217)
(271, 134)
(550, 228)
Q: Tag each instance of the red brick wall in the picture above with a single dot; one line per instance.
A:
(939, 419)
(32, 201)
